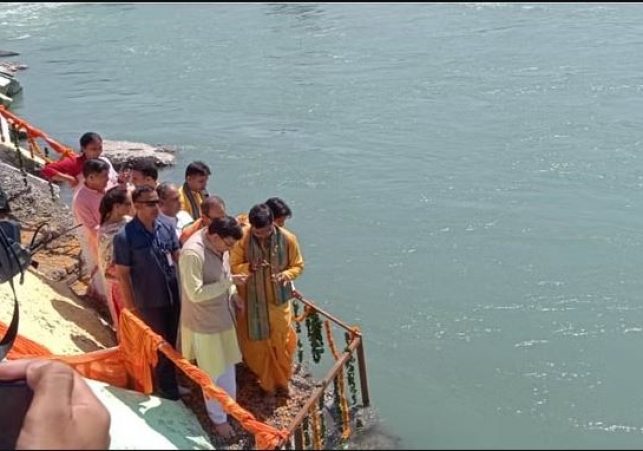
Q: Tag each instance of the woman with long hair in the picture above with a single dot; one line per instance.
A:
(115, 208)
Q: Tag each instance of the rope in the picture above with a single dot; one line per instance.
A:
(16, 143)
(305, 430)
(35, 149)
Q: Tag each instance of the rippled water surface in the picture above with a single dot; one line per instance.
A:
(466, 183)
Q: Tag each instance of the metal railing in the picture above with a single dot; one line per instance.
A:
(354, 349)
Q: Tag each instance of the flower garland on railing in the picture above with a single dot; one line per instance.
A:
(315, 336)
(337, 398)
(297, 321)
(300, 318)
(321, 416)
(314, 434)
(305, 432)
(340, 396)
(350, 371)
(317, 437)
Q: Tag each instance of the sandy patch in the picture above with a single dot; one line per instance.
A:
(50, 314)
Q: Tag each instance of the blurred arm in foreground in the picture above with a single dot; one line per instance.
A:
(64, 412)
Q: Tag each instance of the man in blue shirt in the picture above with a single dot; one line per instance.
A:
(145, 255)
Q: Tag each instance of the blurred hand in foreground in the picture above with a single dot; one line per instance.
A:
(64, 412)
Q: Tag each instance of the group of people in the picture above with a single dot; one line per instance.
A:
(215, 286)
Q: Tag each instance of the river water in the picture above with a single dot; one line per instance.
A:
(466, 182)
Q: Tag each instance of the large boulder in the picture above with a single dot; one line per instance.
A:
(34, 200)
(121, 152)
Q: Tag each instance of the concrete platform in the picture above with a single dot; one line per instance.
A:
(147, 422)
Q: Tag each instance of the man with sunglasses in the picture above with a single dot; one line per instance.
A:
(146, 251)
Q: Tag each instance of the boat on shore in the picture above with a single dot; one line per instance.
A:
(9, 87)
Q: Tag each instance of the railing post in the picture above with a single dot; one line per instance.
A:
(299, 438)
(363, 380)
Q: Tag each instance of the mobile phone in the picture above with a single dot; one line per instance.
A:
(15, 399)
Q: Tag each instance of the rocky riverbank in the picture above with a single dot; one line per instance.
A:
(54, 308)
(33, 202)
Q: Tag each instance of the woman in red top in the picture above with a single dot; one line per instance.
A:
(70, 169)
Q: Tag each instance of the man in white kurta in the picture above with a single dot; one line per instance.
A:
(209, 298)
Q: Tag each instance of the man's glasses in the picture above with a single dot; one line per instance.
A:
(263, 232)
(228, 242)
(149, 203)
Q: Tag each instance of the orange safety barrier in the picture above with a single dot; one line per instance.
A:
(138, 338)
(33, 132)
(105, 366)
(343, 404)
(24, 346)
(133, 360)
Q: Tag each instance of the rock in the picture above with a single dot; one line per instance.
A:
(33, 200)
(121, 152)
(12, 67)
(33, 203)
(5, 53)
(373, 436)
(56, 274)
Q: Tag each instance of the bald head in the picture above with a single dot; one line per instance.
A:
(212, 207)
(168, 199)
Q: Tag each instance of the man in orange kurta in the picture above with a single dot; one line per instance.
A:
(271, 256)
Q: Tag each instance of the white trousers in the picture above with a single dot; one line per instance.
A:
(228, 382)
(97, 282)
